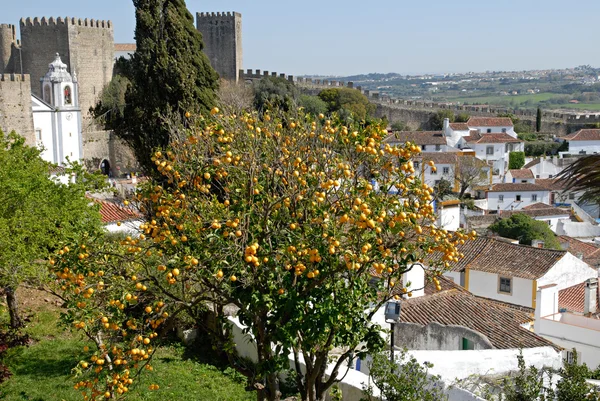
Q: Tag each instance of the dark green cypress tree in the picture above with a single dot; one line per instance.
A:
(168, 75)
(538, 120)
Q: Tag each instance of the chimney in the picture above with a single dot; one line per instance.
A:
(546, 303)
(591, 296)
(537, 243)
(446, 125)
(414, 280)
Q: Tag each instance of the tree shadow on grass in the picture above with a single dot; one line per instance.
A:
(51, 359)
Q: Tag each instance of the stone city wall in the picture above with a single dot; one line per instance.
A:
(15, 106)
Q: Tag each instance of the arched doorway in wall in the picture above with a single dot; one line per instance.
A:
(105, 167)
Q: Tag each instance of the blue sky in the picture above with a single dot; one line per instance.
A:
(405, 36)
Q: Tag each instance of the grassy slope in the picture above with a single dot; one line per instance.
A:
(42, 371)
(520, 99)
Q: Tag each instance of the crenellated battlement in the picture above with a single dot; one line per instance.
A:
(224, 14)
(92, 23)
(14, 78)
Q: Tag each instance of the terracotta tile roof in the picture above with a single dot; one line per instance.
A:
(438, 157)
(532, 163)
(499, 257)
(538, 205)
(549, 212)
(125, 47)
(521, 174)
(417, 137)
(551, 184)
(491, 138)
(516, 187)
(112, 213)
(56, 170)
(573, 298)
(490, 122)
(590, 253)
(498, 321)
(583, 135)
(459, 126)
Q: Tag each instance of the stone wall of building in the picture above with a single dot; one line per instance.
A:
(222, 36)
(8, 41)
(15, 106)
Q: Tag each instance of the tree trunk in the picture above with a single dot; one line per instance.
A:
(13, 308)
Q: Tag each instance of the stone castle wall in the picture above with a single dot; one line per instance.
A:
(15, 106)
(8, 40)
(222, 36)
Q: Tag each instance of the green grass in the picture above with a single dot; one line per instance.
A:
(42, 371)
(520, 100)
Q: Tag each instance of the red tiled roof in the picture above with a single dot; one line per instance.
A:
(573, 298)
(498, 321)
(551, 184)
(516, 187)
(491, 138)
(590, 253)
(125, 47)
(112, 213)
(459, 126)
(417, 137)
(532, 163)
(438, 157)
(538, 205)
(499, 257)
(490, 122)
(521, 174)
(583, 135)
(551, 211)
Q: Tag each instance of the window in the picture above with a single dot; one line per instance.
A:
(523, 181)
(416, 165)
(446, 170)
(518, 198)
(537, 176)
(68, 95)
(467, 344)
(436, 182)
(489, 150)
(504, 285)
(424, 147)
(489, 130)
(438, 147)
(500, 198)
(433, 170)
(38, 134)
(534, 198)
(549, 175)
(47, 94)
(504, 130)
(571, 196)
(569, 357)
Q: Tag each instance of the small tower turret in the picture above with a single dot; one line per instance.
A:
(59, 89)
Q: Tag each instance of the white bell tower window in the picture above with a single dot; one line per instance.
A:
(68, 95)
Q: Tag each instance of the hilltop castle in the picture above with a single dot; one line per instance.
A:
(87, 48)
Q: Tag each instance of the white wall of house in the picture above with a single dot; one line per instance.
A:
(587, 147)
(443, 171)
(567, 329)
(454, 276)
(448, 217)
(127, 227)
(508, 200)
(545, 169)
(496, 130)
(567, 272)
(487, 285)
(553, 221)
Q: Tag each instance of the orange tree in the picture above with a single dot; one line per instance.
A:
(288, 218)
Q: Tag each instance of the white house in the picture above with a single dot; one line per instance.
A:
(582, 142)
(509, 196)
(492, 125)
(522, 176)
(569, 318)
(428, 141)
(542, 212)
(542, 168)
(57, 116)
(513, 273)
(448, 214)
(494, 147)
(443, 168)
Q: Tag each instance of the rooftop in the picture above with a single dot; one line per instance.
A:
(459, 126)
(112, 213)
(583, 135)
(499, 257)
(125, 47)
(500, 322)
(489, 122)
(417, 137)
(522, 174)
(590, 253)
(573, 298)
(551, 184)
(516, 187)
(476, 137)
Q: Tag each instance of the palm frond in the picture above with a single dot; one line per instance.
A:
(583, 175)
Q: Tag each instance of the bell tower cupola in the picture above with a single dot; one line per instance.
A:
(59, 88)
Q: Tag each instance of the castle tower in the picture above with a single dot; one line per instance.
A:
(222, 36)
(87, 47)
(62, 139)
(8, 41)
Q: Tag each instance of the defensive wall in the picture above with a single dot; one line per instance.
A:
(222, 37)
(416, 113)
(15, 106)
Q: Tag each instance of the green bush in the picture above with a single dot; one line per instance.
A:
(516, 160)
(521, 227)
